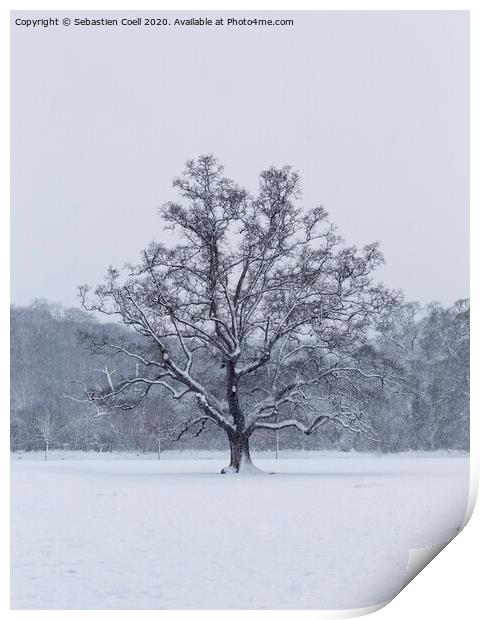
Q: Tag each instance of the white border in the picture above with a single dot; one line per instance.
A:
(448, 586)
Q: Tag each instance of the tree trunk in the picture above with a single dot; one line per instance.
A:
(240, 460)
(159, 448)
(46, 451)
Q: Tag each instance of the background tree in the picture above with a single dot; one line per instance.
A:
(430, 350)
(48, 427)
(256, 288)
(43, 421)
(158, 416)
(445, 343)
(47, 352)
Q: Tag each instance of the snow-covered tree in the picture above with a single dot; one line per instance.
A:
(264, 295)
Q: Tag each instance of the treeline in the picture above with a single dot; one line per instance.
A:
(427, 348)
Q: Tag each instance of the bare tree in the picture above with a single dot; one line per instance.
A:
(43, 421)
(154, 423)
(48, 428)
(267, 297)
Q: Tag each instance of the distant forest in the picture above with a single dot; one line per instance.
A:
(426, 347)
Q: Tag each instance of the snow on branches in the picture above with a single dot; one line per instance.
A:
(264, 295)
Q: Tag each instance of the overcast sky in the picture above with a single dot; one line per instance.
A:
(370, 107)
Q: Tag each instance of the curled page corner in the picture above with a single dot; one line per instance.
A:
(354, 612)
(362, 611)
(419, 558)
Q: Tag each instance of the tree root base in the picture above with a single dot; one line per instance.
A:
(245, 468)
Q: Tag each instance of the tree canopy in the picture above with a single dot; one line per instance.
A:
(253, 286)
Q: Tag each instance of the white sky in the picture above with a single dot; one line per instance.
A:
(371, 107)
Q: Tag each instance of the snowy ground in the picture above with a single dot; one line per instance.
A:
(328, 531)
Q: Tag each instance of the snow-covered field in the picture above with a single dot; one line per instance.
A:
(328, 531)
